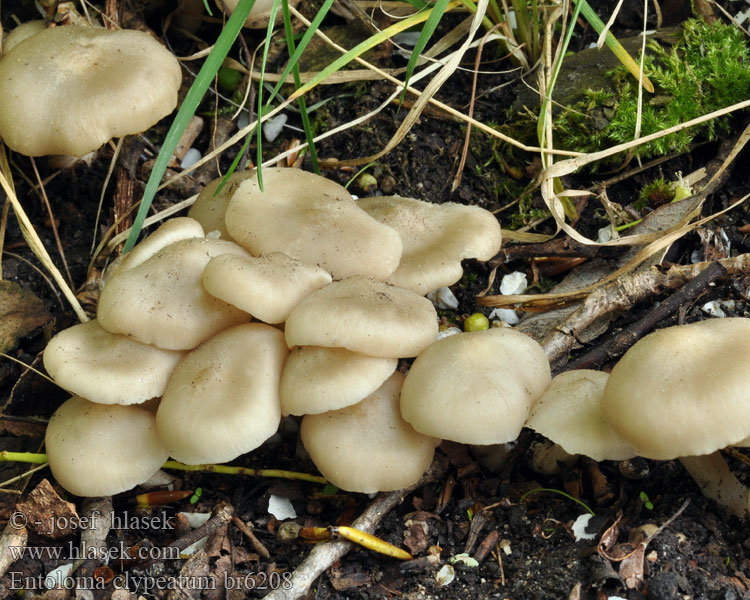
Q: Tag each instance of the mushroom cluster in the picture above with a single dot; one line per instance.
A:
(678, 393)
(283, 307)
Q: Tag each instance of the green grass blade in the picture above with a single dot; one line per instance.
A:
(370, 42)
(297, 82)
(429, 28)
(615, 46)
(294, 59)
(258, 124)
(187, 110)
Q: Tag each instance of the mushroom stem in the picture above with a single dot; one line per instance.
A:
(716, 480)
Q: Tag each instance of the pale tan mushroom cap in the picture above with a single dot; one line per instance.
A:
(107, 368)
(68, 90)
(210, 208)
(268, 287)
(683, 390)
(569, 413)
(312, 219)
(223, 398)
(162, 301)
(171, 231)
(101, 450)
(475, 388)
(436, 238)
(368, 447)
(366, 316)
(317, 379)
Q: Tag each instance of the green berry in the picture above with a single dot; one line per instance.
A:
(476, 322)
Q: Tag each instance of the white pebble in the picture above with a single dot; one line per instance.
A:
(443, 298)
(281, 507)
(272, 128)
(513, 283)
(445, 575)
(191, 157)
(506, 315)
(714, 309)
(579, 528)
(605, 234)
(56, 577)
(195, 519)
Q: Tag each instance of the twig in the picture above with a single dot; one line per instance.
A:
(324, 555)
(254, 541)
(623, 294)
(619, 344)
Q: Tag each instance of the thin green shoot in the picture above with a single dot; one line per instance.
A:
(297, 82)
(646, 501)
(193, 98)
(258, 124)
(366, 45)
(293, 60)
(436, 14)
(556, 491)
(40, 459)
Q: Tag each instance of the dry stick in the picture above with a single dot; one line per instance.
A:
(324, 555)
(52, 222)
(248, 532)
(623, 294)
(619, 344)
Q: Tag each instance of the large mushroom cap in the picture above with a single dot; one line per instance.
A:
(683, 390)
(315, 380)
(162, 301)
(223, 398)
(368, 447)
(475, 388)
(312, 219)
(67, 90)
(100, 450)
(436, 238)
(366, 316)
(268, 287)
(569, 413)
(107, 368)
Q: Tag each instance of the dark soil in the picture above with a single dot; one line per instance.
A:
(526, 549)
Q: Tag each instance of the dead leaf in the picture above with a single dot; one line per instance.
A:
(47, 514)
(21, 313)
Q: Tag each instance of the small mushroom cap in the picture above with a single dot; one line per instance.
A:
(682, 391)
(209, 207)
(436, 238)
(68, 90)
(171, 231)
(569, 413)
(268, 287)
(366, 316)
(162, 301)
(317, 379)
(312, 219)
(368, 447)
(223, 398)
(102, 449)
(475, 388)
(107, 368)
